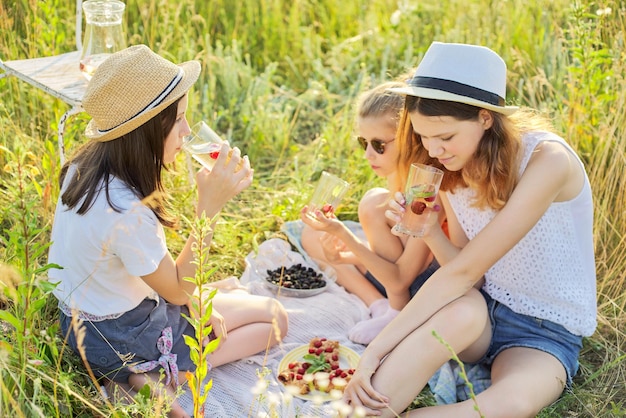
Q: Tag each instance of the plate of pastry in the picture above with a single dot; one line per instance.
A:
(318, 370)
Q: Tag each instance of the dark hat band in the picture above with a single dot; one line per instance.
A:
(457, 88)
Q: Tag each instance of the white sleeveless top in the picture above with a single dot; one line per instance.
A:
(550, 273)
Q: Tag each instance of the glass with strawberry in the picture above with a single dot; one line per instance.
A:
(203, 144)
(421, 191)
(328, 193)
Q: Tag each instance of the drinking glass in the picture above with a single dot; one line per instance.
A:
(203, 144)
(421, 190)
(328, 193)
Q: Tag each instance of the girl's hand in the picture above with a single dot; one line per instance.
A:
(217, 321)
(327, 223)
(359, 393)
(230, 176)
(397, 207)
(219, 326)
(333, 248)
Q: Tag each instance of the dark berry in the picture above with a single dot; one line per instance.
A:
(418, 207)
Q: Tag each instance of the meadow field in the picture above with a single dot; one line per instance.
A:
(278, 80)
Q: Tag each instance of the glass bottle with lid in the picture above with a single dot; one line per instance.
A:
(104, 34)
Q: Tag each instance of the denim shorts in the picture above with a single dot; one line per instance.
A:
(415, 286)
(510, 329)
(114, 344)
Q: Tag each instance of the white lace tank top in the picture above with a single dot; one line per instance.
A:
(550, 273)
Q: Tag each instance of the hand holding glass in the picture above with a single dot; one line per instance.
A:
(327, 195)
(204, 145)
(421, 190)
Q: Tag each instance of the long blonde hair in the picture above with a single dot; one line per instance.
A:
(379, 101)
(494, 171)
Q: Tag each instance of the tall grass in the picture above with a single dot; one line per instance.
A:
(279, 80)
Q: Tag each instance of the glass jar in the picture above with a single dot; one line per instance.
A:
(103, 33)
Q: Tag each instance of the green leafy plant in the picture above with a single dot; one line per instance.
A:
(462, 373)
(199, 317)
(318, 363)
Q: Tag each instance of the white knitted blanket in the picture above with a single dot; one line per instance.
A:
(249, 387)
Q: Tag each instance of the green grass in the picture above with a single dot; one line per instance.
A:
(279, 80)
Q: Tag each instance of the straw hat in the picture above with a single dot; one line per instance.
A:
(462, 73)
(131, 87)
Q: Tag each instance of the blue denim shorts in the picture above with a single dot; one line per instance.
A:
(114, 344)
(510, 329)
(415, 286)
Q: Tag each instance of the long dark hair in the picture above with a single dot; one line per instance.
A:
(135, 158)
(493, 170)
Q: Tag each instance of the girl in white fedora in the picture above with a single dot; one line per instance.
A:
(117, 275)
(516, 288)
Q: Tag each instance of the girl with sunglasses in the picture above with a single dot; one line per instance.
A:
(520, 217)
(377, 114)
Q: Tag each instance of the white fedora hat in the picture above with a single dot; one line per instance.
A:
(462, 73)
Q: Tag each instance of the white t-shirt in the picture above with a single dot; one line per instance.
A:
(550, 273)
(103, 253)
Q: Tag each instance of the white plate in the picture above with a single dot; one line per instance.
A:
(348, 359)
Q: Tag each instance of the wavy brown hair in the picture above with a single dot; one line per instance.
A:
(494, 171)
(135, 158)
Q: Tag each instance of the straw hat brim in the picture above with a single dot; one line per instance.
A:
(451, 97)
(191, 73)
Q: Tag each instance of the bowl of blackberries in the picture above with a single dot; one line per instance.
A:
(297, 280)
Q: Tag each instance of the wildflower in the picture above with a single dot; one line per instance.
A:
(395, 18)
(260, 387)
(359, 412)
(273, 400)
(342, 408)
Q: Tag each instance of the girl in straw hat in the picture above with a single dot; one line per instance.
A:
(516, 288)
(117, 275)
(377, 114)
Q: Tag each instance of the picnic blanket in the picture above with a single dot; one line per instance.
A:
(249, 387)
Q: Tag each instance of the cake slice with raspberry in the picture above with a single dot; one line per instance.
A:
(294, 376)
(329, 349)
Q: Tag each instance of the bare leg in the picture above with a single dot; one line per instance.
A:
(254, 323)
(390, 247)
(463, 324)
(524, 381)
(377, 227)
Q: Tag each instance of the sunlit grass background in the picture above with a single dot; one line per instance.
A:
(279, 79)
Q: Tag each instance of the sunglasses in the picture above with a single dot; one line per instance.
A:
(377, 144)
